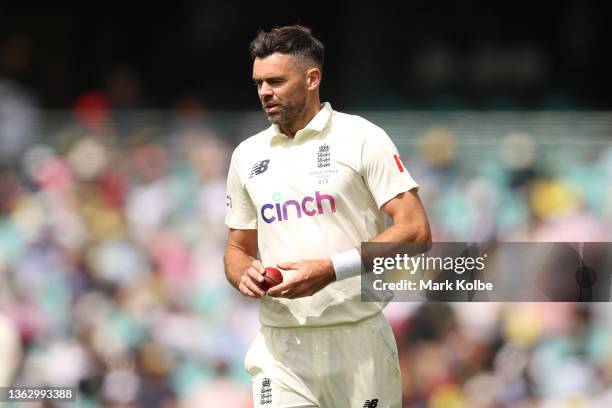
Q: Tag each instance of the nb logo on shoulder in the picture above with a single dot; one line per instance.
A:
(373, 403)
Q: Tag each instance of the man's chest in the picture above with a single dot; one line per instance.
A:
(305, 180)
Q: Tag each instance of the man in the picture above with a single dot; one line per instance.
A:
(305, 193)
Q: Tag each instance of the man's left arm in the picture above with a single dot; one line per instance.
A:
(410, 224)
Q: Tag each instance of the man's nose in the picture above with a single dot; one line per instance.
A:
(265, 90)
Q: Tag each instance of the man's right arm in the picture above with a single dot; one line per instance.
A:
(242, 268)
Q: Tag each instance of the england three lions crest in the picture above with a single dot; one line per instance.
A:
(323, 156)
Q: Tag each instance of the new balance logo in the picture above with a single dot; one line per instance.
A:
(259, 168)
(370, 403)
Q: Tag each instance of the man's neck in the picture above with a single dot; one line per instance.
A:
(300, 123)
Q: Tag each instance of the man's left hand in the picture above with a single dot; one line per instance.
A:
(311, 275)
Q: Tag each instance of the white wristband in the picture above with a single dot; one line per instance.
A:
(347, 264)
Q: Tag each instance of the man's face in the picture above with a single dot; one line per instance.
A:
(281, 86)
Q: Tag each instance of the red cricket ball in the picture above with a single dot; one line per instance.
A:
(272, 277)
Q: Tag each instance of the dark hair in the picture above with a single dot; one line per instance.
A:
(294, 40)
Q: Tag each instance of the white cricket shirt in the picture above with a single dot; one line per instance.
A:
(312, 197)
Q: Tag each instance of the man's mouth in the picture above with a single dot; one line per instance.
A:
(270, 107)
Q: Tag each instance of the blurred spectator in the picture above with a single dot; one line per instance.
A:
(10, 351)
(18, 106)
(92, 109)
(123, 89)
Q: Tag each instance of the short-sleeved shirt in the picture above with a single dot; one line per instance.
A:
(313, 196)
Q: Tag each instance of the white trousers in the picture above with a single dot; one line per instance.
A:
(353, 365)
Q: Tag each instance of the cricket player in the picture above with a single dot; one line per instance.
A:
(305, 193)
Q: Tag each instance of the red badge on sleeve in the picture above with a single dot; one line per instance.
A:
(400, 166)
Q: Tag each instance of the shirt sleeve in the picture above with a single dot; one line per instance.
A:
(240, 211)
(382, 169)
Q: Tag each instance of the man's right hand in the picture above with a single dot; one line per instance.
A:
(251, 281)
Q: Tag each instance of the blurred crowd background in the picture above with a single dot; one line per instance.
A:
(112, 235)
(115, 136)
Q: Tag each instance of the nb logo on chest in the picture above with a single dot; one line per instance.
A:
(309, 206)
(259, 167)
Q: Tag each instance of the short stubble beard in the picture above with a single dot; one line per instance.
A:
(288, 113)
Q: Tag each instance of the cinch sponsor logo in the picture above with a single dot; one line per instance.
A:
(309, 205)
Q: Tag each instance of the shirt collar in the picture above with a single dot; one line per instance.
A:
(317, 123)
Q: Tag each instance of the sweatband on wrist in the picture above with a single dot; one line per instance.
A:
(347, 264)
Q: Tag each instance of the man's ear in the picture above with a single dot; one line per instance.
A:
(313, 78)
